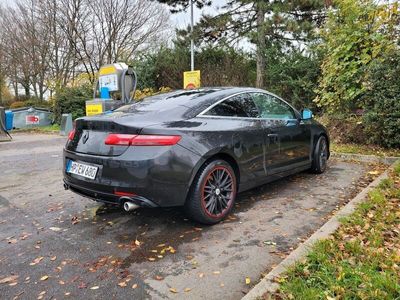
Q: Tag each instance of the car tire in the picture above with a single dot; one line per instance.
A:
(320, 156)
(213, 192)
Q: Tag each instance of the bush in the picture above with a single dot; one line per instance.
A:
(345, 129)
(25, 101)
(17, 104)
(293, 75)
(72, 100)
(219, 66)
(382, 103)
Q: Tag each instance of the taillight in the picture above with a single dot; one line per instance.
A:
(119, 139)
(71, 134)
(141, 140)
(155, 140)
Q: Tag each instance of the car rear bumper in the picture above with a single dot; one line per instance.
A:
(148, 176)
(107, 197)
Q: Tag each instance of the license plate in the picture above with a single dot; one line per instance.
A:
(83, 170)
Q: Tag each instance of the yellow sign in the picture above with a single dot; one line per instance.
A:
(107, 70)
(94, 109)
(191, 79)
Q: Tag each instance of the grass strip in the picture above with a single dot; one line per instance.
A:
(360, 260)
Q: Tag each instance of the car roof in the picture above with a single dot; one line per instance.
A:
(179, 104)
(187, 98)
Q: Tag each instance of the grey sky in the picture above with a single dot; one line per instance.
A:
(181, 20)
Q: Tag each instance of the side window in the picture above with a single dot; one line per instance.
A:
(271, 107)
(237, 106)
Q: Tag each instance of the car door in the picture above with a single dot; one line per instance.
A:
(238, 118)
(288, 140)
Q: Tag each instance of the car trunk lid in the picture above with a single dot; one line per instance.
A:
(91, 133)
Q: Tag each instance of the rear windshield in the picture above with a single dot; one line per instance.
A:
(166, 100)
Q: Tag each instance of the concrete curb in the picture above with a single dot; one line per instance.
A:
(388, 160)
(267, 284)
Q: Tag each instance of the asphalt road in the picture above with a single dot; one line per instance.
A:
(61, 245)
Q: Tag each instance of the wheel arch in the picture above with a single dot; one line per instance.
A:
(220, 155)
(316, 138)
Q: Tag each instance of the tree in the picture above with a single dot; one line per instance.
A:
(47, 43)
(262, 22)
(356, 34)
(107, 31)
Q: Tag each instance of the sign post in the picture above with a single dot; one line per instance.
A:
(191, 79)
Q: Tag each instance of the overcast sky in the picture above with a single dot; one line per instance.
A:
(181, 20)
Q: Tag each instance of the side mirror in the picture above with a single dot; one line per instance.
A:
(306, 114)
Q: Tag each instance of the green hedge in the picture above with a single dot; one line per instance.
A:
(382, 103)
(72, 100)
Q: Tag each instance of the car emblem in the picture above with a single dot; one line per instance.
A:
(85, 137)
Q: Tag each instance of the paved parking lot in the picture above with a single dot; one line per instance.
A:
(62, 245)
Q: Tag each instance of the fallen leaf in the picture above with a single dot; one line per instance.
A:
(53, 258)
(160, 245)
(187, 290)
(201, 275)
(134, 286)
(43, 278)
(248, 280)
(9, 279)
(137, 243)
(67, 294)
(36, 261)
(42, 293)
(151, 259)
(269, 243)
(74, 220)
(23, 237)
(13, 283)
(122, 284)
(55, 228)
(159, 277)
(96, 287)
(216, 272)
(61, 282)
(172, 290)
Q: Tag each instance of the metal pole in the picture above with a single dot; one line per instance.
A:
(191, 37)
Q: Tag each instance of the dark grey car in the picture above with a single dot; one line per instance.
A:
(192, 148)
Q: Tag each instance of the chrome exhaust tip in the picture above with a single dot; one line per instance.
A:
(129, 206)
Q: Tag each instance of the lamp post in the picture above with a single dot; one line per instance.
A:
(191, 37)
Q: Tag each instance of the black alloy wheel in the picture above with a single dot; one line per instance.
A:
(213, 193)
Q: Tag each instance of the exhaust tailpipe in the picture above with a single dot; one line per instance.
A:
(129, 206)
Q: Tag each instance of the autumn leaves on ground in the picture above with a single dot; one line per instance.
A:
(361, 260)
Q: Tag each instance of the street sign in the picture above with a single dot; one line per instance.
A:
(191, 79)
